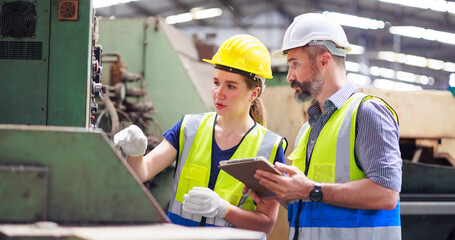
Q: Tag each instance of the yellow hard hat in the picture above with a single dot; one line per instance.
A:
(243, 52)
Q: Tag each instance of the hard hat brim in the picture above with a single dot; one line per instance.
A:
(227, 65)
(279, 54)
(209, 61)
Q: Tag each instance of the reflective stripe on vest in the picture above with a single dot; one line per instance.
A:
(364, 233)
(333, 161)
(195, 159)
(344, 146)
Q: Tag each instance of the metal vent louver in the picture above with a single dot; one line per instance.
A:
(18, 19)
(21, 50)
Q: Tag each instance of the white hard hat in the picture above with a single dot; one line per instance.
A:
(315, 29)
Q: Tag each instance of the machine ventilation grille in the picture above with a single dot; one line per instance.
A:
(68, 10)
(21, 50)
(18, 19)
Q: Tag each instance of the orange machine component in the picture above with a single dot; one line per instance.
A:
(68, 10)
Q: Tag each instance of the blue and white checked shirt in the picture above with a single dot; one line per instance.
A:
(377, 137)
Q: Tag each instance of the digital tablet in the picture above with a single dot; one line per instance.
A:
(244, 169)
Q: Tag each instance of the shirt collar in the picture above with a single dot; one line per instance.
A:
(342, 95)
(334, 102)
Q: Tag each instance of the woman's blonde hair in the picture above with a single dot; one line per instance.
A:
(257, 109)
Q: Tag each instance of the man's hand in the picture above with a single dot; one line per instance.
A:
(132, 140)
(203, 201)
(295, 185)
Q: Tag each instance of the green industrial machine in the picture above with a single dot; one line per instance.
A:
(55, 167)
(60, 175)
(44, 178)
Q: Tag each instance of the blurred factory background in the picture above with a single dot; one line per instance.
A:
(75, 72)
(398, 44)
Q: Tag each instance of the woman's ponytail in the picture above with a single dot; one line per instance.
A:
(258, 112)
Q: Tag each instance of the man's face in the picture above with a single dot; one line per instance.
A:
(303, 75)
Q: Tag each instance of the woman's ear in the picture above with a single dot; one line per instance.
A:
(255, 93)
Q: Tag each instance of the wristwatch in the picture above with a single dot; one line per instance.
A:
(316, 193)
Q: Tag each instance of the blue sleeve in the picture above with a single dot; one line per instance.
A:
(279, 157)
(173, 135)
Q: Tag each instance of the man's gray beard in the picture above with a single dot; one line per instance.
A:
(309, 90)
(302, 97)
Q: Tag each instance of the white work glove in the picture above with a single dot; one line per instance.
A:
(203, 201)
(132, 140)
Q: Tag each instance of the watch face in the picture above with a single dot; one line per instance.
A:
(316, 195)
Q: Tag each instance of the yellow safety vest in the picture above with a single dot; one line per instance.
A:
(333, 161)
(194, 165)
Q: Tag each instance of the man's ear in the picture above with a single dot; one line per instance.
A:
(326, 58)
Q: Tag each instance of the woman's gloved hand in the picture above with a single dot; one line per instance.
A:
(132, 140)
(203, 201)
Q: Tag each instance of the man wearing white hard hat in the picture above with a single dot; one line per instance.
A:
(345, 177)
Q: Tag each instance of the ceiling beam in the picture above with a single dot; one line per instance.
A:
(235, 12)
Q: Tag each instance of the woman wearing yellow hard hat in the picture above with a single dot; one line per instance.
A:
(202, 195)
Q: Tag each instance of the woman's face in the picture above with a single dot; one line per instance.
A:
(230, 93)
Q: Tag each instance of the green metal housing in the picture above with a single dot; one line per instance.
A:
(69, 175)
(24, 192)
(50, 88)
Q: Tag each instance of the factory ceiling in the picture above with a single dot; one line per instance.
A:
(390, 53)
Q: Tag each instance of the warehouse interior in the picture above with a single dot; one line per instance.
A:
(76, 72)
(412, 37)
